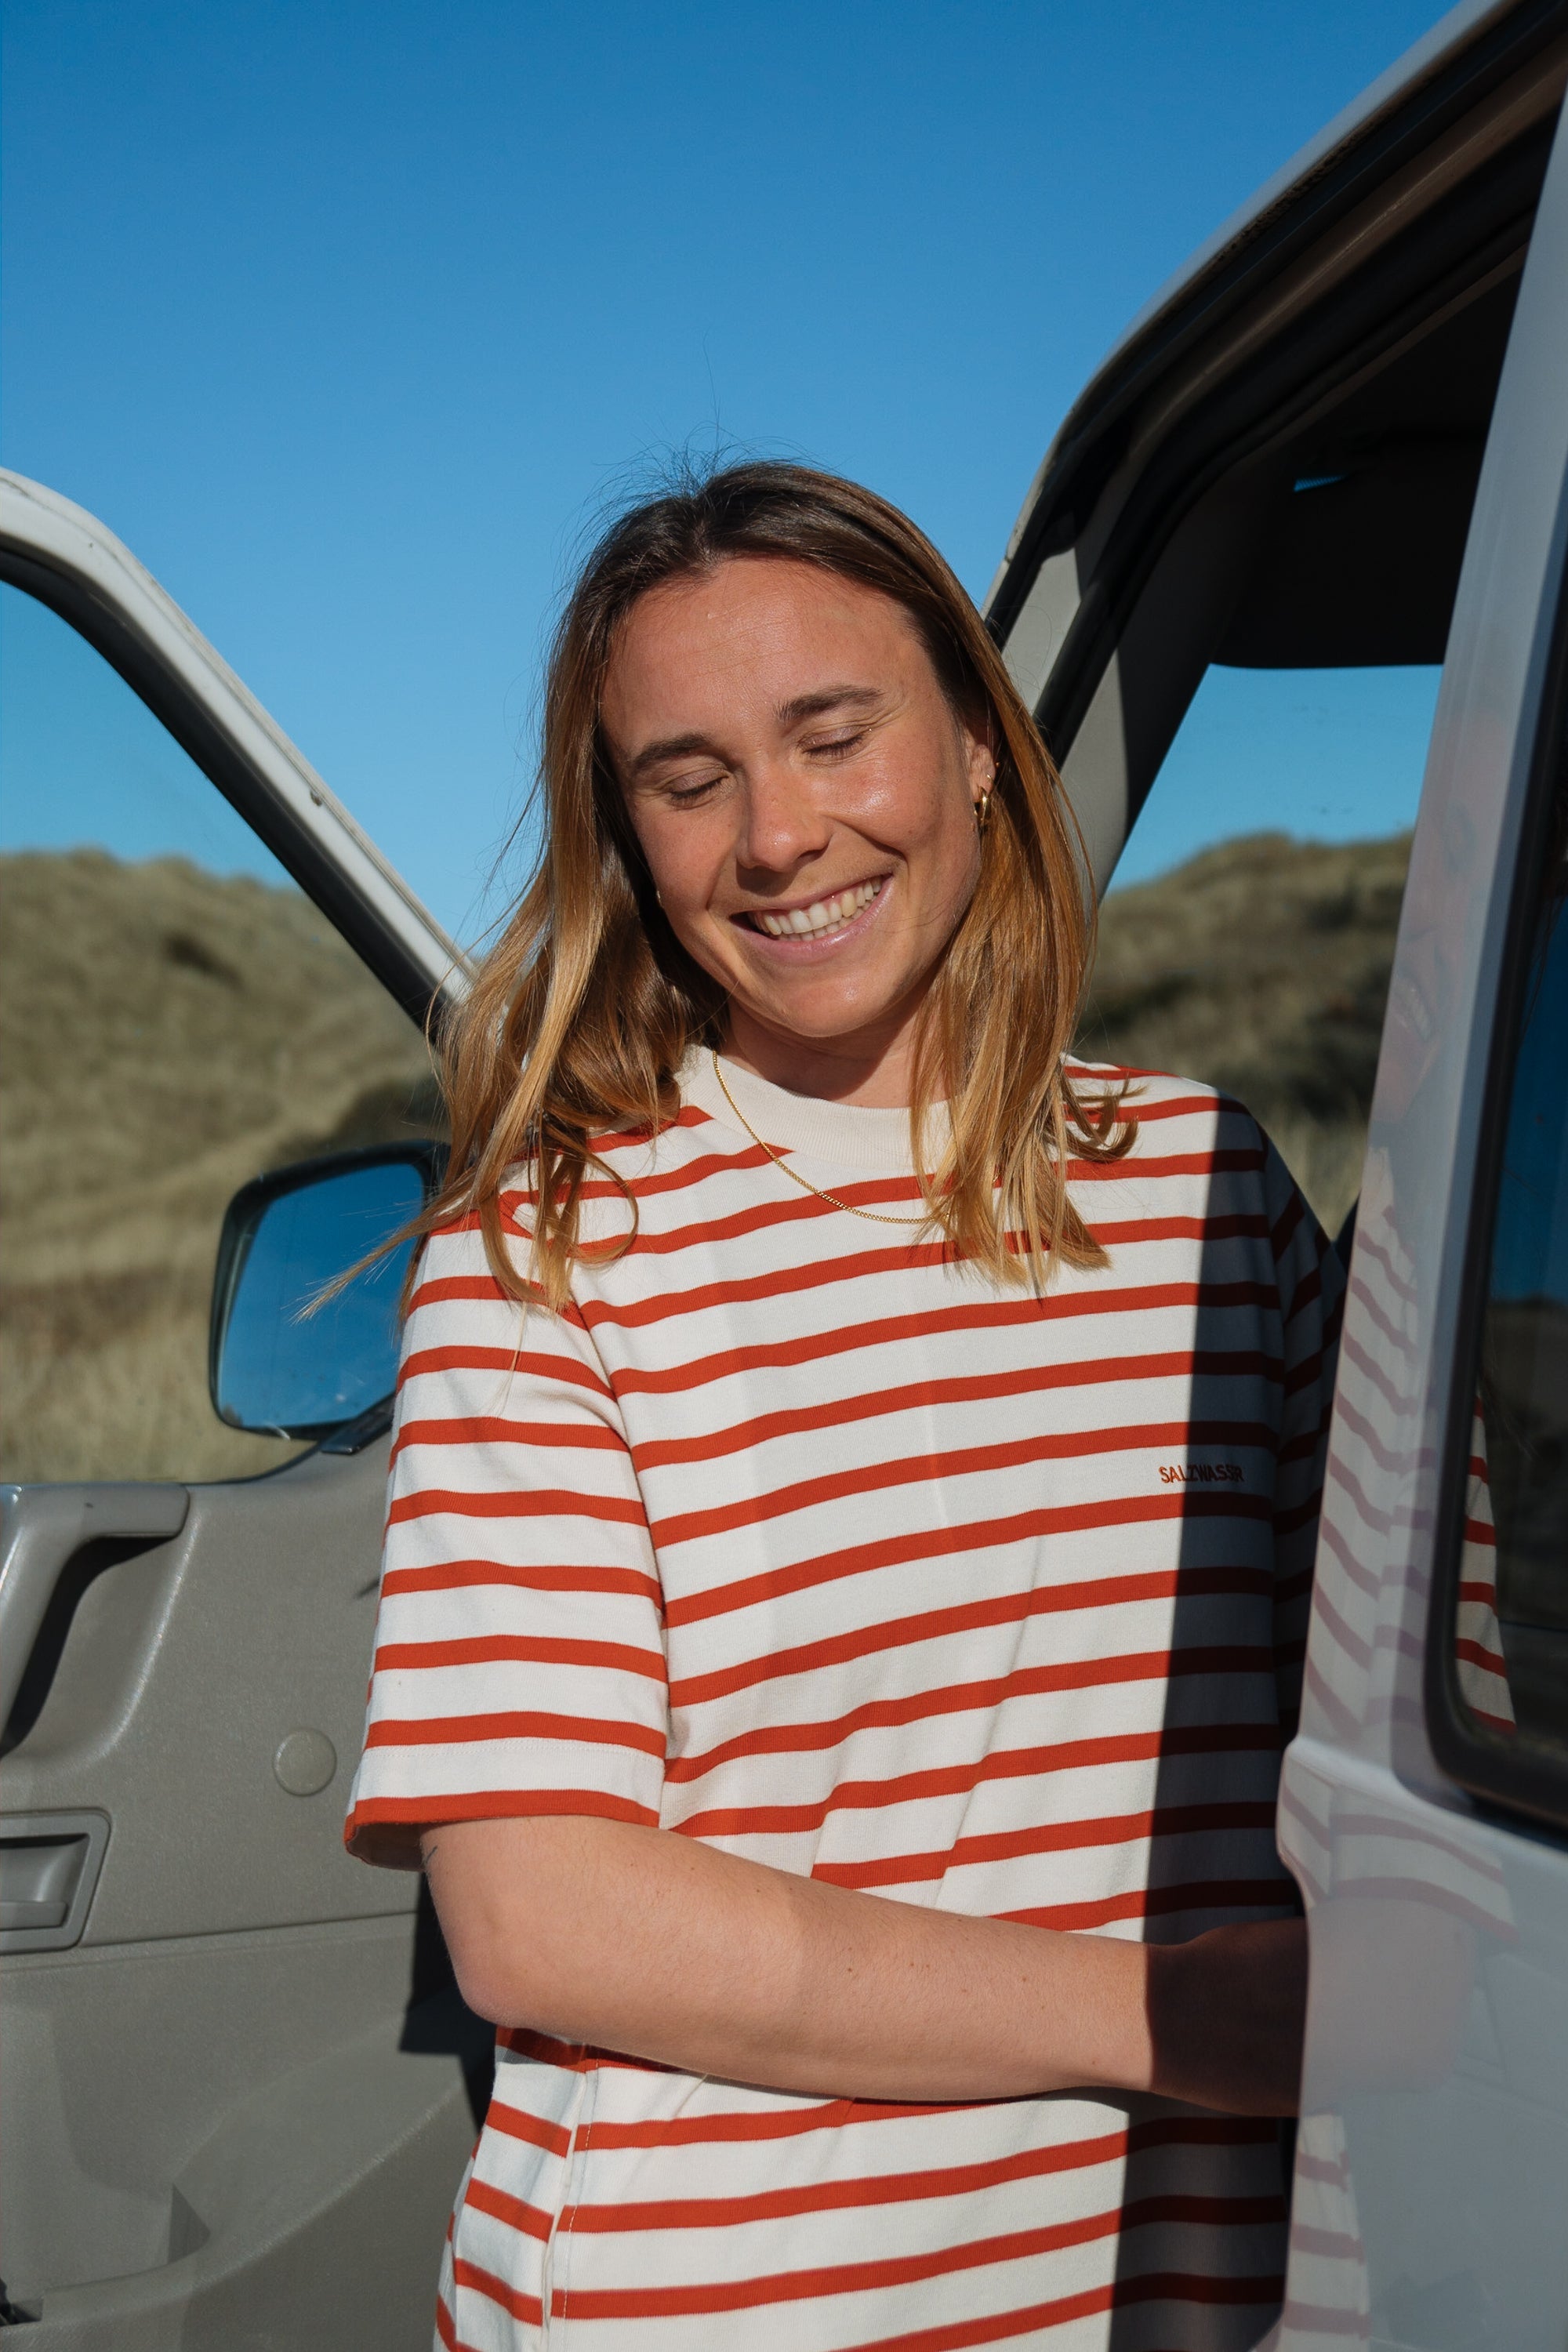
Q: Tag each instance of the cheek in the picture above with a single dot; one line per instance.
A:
(685, 860)
(918, 804)
(934, 830)
(677, 855)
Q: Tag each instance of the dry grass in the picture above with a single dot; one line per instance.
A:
(1261, 967)
(165, 1033)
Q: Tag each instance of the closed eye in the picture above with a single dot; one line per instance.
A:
(686, 789)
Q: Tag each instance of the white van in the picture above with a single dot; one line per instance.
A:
(239, 2084)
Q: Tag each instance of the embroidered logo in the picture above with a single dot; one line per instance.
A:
(1201, 1473)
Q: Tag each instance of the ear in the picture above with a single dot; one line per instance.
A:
(980, 760)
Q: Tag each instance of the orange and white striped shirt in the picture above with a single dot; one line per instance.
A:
(796, 1537)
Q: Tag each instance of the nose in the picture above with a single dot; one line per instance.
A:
(782, 828)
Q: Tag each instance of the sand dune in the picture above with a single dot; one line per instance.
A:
(166, 1034)
(1261, 966)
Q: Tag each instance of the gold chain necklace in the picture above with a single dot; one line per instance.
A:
(877, 1216)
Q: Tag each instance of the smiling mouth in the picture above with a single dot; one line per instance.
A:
(819, 919)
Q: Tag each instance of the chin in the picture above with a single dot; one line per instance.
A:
(820, 1024)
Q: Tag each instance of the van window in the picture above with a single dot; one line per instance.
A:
(1510, 1519)
(175, 1017)
(1247, 937)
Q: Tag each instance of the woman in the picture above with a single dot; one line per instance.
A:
(851, 1517)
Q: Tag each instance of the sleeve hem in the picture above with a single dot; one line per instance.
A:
(385, 1830)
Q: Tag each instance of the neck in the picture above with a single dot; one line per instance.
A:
(873, 1069)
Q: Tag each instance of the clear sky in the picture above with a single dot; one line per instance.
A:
(349, 316)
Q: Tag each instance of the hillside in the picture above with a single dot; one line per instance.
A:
(1262, 967)
(165, 1034)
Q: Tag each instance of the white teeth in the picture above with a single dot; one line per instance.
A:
(821, 915)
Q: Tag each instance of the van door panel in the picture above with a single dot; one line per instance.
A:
(185, 1671)
(239, 2085)
(1432, 2157)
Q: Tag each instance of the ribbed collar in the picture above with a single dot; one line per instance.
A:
(846, 1135)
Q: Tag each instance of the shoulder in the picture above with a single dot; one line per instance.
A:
(1194, 1139)
(660, 1173)
(625, 1162)
(1172, 1115)
(642, 1186)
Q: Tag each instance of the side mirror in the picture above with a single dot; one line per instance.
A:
(272, 1366)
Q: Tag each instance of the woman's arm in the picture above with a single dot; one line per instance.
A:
(643, 1941)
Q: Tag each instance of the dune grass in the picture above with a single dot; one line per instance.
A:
(165, 1033)
(1262, 967)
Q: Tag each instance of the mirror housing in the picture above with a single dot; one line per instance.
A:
(272, 1367)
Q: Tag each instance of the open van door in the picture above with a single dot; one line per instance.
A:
(239, 2086)
(1278, 469)
(1425, 1810)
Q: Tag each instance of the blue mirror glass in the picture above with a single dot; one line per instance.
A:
(277, 1366)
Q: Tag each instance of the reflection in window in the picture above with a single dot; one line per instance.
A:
(1524, 1347)
(175, 1017)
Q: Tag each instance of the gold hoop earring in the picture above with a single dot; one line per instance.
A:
(982, 809)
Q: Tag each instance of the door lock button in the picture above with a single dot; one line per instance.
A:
(305, 1762)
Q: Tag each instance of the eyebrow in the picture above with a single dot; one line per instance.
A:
(827, 698)
(668, 747)
(789, 714)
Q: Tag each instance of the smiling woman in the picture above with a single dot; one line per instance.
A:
(807, 703)
(852, 1510)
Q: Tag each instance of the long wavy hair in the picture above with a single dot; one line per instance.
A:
(583, 1011)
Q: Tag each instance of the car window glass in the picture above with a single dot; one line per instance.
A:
(175, 1017)
(1247, 937)
(1515, 1535)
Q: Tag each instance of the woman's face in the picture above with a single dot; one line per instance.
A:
(805, 797)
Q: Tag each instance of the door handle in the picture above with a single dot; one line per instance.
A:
(38, 1876)
(42, 1528)
(48, 1867)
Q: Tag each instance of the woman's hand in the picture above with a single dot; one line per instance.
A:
(643, 1941)
(1226, 2016)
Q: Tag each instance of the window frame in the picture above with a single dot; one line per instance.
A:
(1513, 1774)
(128, 639)
(65, 560)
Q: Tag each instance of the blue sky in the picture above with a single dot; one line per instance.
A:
(350, 317)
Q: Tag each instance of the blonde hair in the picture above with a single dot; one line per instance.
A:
(581, 1013)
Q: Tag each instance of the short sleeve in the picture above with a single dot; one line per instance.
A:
(519, 1664)
(1311, 1285)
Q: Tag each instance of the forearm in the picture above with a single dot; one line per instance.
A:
(643, 1941)
(648, 1942)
